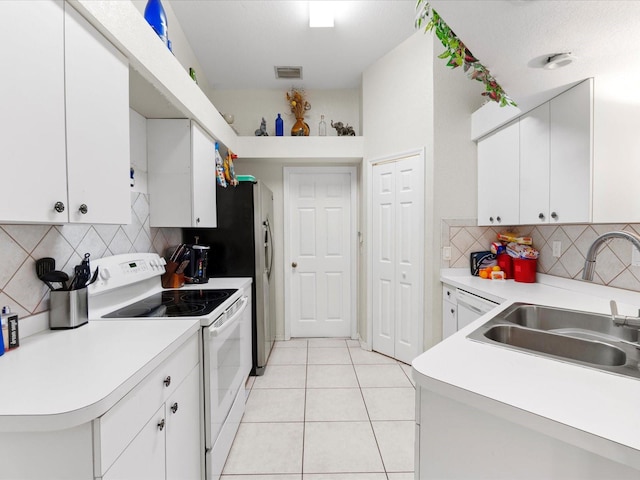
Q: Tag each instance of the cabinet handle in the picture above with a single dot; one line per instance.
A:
(453, 310)
(59, 207)
(174, 407)
(541, 216)
(83, 209)
(554, 215)
(167, 381)
(498, 219)
(161, 425)
(448, 293)
(294, 264)
(491, 219)
(198, 220)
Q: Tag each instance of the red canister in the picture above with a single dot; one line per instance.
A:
(524, 270)
(505, 262)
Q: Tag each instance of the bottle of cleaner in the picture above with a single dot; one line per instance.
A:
(279, 126)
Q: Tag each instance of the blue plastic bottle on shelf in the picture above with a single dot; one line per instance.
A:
(155, 16)
(279, 126)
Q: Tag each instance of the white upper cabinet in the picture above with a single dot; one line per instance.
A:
(540, 163)
(498, 174)
(64, 132)
(570, 172)
(32, 117)
(97, 101)
(182, 181)
(534, 166)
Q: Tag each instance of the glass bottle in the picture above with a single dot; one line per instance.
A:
(322, 127)
(279, 126)
(155, 16)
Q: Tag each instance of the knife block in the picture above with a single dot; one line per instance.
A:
(171, 279)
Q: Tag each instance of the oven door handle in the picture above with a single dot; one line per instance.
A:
(217, 331)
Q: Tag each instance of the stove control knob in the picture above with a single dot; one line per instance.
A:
(162, 261)
(105, 274)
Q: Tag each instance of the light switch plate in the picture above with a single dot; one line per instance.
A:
(557, 248)
(446, 253)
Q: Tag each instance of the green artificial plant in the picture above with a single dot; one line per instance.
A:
(458, 54)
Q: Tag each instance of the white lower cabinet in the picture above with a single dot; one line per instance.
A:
(449, 311)
(154, 432)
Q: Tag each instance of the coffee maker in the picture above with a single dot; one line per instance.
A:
(196, 271)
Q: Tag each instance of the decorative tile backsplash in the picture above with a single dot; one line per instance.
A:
(22, 245)
(613, 266)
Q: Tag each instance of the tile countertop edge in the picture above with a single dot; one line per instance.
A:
(590, 402)
(93, 396)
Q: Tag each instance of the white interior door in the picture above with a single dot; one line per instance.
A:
(320, 252)
(397, 243)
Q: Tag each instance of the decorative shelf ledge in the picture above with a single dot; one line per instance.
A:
(328, 148)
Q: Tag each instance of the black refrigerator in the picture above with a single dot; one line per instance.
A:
(242, 246)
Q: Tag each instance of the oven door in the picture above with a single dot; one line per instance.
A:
(223, 368)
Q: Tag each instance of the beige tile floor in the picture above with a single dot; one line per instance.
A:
(326, 410)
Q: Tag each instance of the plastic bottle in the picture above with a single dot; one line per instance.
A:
(322, 127)
(220, 168)
(279, 126)
(155, 16)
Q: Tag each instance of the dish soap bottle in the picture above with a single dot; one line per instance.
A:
(322, 127)
(279, 126)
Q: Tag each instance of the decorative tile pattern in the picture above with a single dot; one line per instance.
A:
(613, 265)
(22, 245)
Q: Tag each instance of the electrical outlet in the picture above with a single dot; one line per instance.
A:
(557, 248)
(635, 256)
(446, 253)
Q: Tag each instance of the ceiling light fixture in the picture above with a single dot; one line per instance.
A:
(559, 60)
(321, 14)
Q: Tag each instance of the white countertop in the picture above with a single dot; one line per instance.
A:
(591, 401)
(62, 378)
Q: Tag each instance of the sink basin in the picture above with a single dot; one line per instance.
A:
(582, 338)
(563, 346)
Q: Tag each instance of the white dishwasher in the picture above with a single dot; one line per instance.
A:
(471, 307)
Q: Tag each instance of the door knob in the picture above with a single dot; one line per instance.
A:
(294, 264)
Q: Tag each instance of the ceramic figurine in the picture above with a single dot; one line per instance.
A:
(342, 130)
(262, 131)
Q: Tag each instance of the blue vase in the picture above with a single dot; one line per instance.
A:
(155, 16)
(279, 126)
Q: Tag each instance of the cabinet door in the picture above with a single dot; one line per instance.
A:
(97, 102)
(32, 143)
(449, 319)
(534, 166)
(144, 458)
(498, 177)
(204, 178)
(184, 446)
(570, 146)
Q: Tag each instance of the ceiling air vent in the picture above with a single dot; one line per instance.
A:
(289, 73)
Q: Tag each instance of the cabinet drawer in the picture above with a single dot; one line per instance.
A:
(448, 293)
(117, 428)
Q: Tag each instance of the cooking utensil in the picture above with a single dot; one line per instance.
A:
(82, 273)
(44, 266)
(56, 276)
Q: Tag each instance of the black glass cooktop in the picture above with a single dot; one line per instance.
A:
(175, 303)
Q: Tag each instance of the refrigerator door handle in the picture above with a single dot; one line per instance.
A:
(268, 246)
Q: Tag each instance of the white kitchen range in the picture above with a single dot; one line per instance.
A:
(151, 387)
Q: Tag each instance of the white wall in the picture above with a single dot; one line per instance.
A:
(250, 106)
(412, 100)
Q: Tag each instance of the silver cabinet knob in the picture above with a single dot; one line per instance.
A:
(59, 207)
(498, 219)
(294, 264)
(541, 216)
(554, 215)
(83, 209)
(491, 219)
(174, 407)
(167, 381)
(161, 425)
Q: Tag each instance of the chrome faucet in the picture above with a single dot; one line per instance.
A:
(590, 262)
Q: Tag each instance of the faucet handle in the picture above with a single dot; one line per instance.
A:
(614, 309)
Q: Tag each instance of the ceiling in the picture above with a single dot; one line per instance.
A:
(239, 42)
(513, 38)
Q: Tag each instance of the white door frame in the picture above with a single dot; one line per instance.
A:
(353, 241)
(376, 161)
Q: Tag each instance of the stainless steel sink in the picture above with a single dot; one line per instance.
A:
(583, 338)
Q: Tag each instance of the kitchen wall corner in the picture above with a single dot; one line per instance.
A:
(22, 245)
(613, 267)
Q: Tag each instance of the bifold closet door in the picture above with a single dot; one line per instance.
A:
(398, 258)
